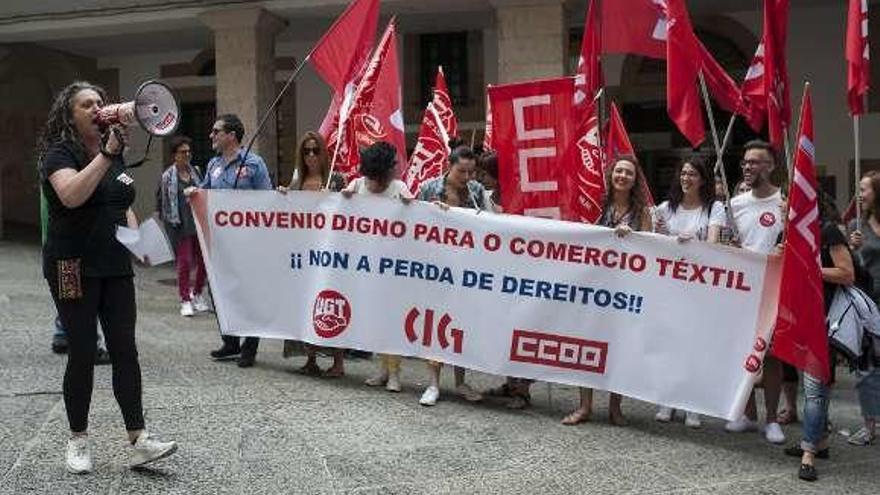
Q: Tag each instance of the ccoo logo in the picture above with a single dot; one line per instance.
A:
(331, 314)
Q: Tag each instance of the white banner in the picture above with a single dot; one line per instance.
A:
(684, 325)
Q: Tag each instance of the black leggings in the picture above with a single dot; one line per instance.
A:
(110, 300)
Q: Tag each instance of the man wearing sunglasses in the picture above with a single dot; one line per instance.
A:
(231, 169)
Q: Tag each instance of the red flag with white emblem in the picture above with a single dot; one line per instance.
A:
(800, 337)
(588, 77)
(432, 148)
(683, 66)
(375, 110)
(586, 172)
(340, 56)
(766, 85)
(858, 68)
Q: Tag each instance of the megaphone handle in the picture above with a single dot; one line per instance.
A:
(146, 153)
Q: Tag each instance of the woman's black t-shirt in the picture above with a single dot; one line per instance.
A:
(831, 236)
(87, 232)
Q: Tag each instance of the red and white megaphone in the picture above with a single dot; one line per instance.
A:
(154, 109)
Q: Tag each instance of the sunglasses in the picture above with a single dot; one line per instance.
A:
(311, 151)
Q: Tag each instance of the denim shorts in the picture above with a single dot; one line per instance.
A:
(868, 387)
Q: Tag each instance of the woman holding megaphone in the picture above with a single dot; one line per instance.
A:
(88, 271)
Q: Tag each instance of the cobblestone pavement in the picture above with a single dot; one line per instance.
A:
(271, 430)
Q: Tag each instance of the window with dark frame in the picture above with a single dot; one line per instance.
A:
(450, 51)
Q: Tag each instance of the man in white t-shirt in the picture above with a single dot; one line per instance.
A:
(758, 215)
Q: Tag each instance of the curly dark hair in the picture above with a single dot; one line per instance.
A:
(707, 188)
(638, 203)
(59, 125)
(378, 161)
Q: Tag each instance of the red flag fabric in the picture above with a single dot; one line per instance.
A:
(766, 86)
(375, 109)
(345, 47)
(585, 170)
(858, 67)
(487, 133)
(683, 64)
(340, 58)
(617, 144)
(588, 77)
(537, 131)
(634, 26)
(432, 148)
(800, 337)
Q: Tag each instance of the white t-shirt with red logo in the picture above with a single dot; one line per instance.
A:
(759, 220)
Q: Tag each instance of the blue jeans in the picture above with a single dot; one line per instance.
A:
(815, 418)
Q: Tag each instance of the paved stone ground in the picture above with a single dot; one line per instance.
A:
(270, 430)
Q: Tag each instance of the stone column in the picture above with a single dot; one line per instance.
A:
(244, 52)
(531, 39)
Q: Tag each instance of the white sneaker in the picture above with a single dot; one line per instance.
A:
(429, 398)
(664, 414)
(186, 308)
(149, 449)
(79, 455)
(773, 433)
(393, 384)
(200, 303)
(692, 420)
(741, 425)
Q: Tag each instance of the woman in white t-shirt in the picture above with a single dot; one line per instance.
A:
(691, 213)
(377, 168)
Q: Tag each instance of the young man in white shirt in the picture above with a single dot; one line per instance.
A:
(758, 215)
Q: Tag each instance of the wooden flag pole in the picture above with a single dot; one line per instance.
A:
(719, 151)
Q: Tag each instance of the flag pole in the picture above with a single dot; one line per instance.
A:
(858, 168)
(719, 151)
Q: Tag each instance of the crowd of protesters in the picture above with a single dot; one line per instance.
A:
(90, 276)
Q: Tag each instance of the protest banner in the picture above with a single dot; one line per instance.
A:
(683, 325)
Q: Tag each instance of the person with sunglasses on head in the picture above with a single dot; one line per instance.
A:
(758, 215)
(312, 173)
(88, 195)
(232, 169)
(176, 214)
(378, 169)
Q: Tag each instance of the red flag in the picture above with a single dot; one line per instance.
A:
(766, 85)
(683, 64)
(858, 67)
(800, 337)
(585, 172)
(376, 108)
(340, 58)
(617, 144)
(487, 133)
(634, 26)
(432, 148)
(641, 27)
(536, 135)
(588, 77)
(345, 47)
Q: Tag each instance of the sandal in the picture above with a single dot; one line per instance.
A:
(310, 369)
(787, 417)
(618, 419)
(807, 472)
(333, 373)
(796, 451)
(577, 417)
(467, 393)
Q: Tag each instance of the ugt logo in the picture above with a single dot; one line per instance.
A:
(442, 331)
(331, 314)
